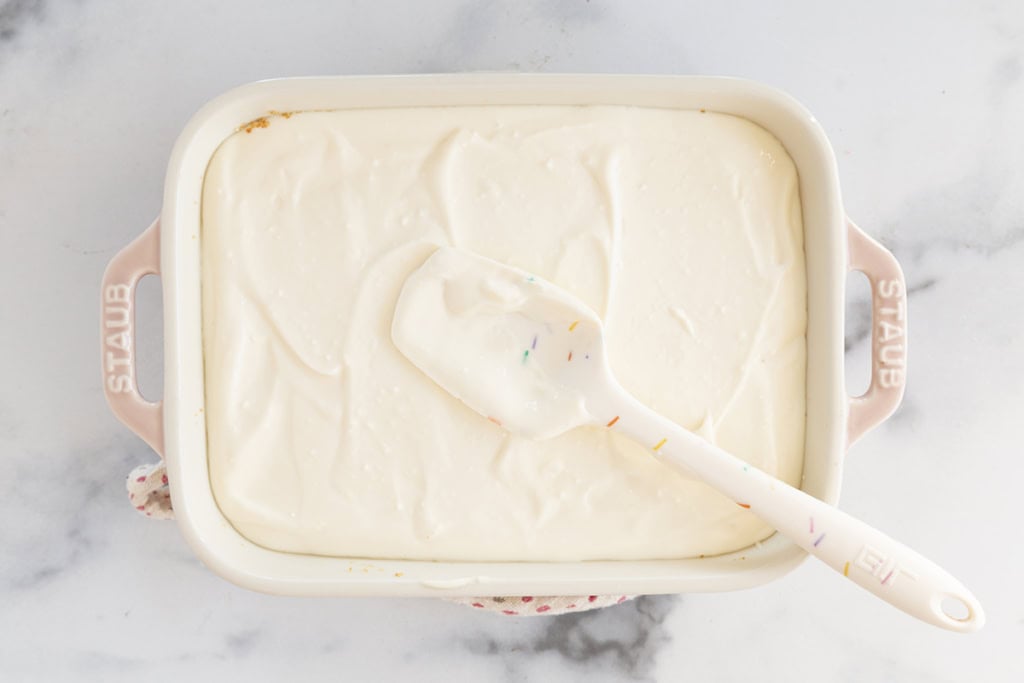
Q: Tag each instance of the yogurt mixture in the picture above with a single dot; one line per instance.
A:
(681, 229)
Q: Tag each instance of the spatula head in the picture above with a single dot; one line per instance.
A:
(520, 351)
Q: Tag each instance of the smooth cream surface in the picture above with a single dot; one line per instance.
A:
(681, 229)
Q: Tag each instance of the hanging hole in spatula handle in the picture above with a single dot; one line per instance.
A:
(888, 333)
(117, 337)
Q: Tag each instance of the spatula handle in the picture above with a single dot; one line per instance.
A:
(863, 554)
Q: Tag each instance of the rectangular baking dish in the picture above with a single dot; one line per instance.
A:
(176, 428)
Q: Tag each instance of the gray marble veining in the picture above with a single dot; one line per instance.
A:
(15, 13)
(620, 642)
(922, 102)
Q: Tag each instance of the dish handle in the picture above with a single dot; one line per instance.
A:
(888, 333)
(117, 340)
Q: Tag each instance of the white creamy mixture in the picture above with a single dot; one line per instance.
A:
(681, 229)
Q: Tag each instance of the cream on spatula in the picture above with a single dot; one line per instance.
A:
(530, 357)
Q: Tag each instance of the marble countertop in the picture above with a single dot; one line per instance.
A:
(923, 104)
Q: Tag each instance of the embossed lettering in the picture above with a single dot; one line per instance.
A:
(119, 384)
(891, 354)
(897, 311)
(118, 294)
(117, 317)
(889, 289)
(870, 560)
(883, 568)
(121, 340)
(890, 377)
(890, 331)
(114, 362)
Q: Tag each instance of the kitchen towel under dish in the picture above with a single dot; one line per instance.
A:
(149, 495)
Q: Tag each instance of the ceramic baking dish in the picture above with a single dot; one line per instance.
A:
(176, 428)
